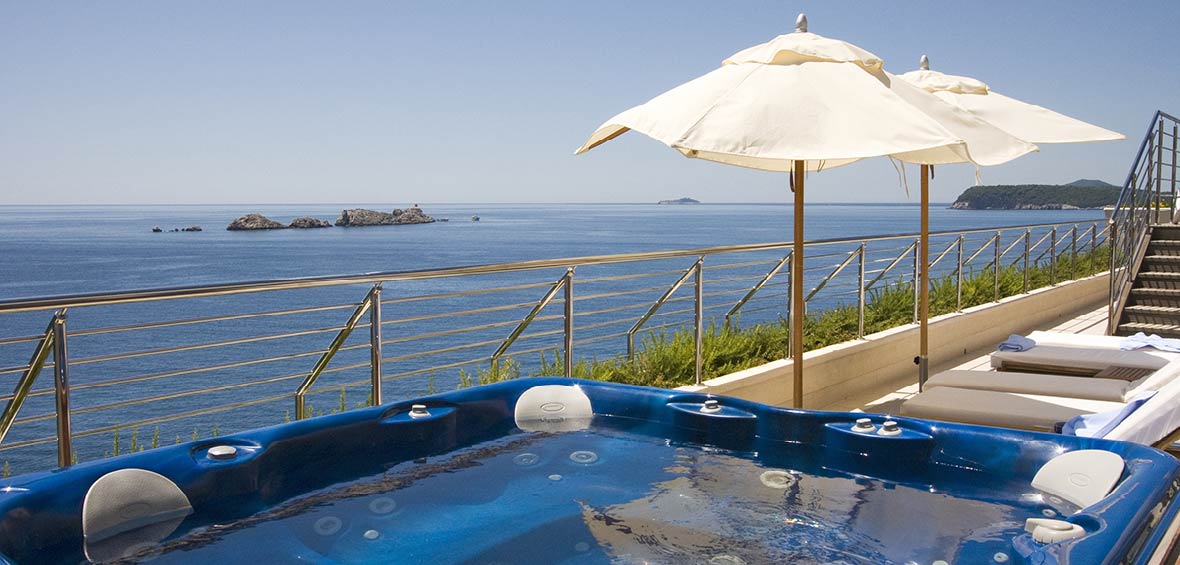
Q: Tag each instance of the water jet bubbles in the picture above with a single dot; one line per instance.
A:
(581, 547)
(584, 457)
(939, 562)
(1000, 557)
(726, 560)
(778, 479)
(527, 459)
(382, 505)
(1049, 513)
(328, 526)
(372, 534)
(555, 477)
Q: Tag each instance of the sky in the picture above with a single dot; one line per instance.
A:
(454, 102)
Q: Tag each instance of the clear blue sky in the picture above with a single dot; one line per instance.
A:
(391, 102)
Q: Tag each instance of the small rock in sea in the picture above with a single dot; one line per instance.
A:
(475, 218)
(305, 222)
(156, 229)
(254, 222)
(191, 228)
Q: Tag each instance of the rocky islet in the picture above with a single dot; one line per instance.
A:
(354, 217)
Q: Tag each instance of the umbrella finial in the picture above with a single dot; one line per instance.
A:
(801, 23)
(924, 63)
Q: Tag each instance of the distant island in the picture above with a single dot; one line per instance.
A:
(685, 200)
(1079, 194)
(356, 217)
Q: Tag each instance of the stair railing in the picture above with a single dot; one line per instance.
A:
(1142, 203)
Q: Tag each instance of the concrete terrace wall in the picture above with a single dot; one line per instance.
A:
(886, 359)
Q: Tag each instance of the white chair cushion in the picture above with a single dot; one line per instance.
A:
(1003, 409)
(1081, 357)
(1112, 390)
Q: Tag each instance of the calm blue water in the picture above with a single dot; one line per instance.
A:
(80, 249)
(76, 249)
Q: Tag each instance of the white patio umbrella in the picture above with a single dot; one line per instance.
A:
(1026, 121)
(802, 102)
(1029, 122)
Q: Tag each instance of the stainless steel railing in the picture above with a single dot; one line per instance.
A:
(232, 356)
(1148, 197)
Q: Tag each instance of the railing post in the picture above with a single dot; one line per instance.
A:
(790, 305)
(61, 389)
(959, 275)
(917, 290)
(655, 307)
(754, 289)
(1175, 200)
(301, 411)
(860, 293)
(1027, 236)
(1159, 170)
(375, 346)
(27, 378)
(569, 323)
(996, 289)
(1093, 243)
(699, 319)
(1053, 256)
(1111, 323)
(1073, 253)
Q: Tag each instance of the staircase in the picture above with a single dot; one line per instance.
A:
(1144, 237)
(1153, 306)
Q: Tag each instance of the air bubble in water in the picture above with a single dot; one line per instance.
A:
(382, 505)
(584, 457)
(328, 525)
(526, 459)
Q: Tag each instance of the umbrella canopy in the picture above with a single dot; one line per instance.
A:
(804, 102)
(1026, 121)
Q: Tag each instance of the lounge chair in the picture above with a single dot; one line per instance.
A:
(1080, 360)
(1003, 409)
(1156, 422)
(1109, 390)
(1091, 341)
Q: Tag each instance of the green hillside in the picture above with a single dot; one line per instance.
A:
(1082, 193)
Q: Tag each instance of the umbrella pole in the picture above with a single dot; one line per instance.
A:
(797, 306)
(924, 276)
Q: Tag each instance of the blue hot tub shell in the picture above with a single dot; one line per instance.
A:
(40, 514)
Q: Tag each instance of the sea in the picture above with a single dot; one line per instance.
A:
(71, 250)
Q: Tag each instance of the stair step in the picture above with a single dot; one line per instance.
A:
(1157, 279)
(1164, 330)
(1165, 247)
(1156, 310)
(1157, 292)
(1143, 314)
(1169, 297)
(1165, 232)
(1162, 263)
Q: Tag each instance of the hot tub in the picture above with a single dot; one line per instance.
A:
(568, 471)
